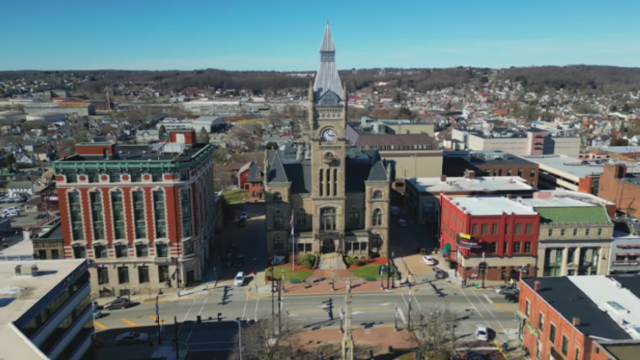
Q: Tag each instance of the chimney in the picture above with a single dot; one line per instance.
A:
(471, 174)
(508, 196)
(443, 178)
(576, 321)
(537, 285)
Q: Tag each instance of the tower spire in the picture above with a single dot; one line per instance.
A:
(327, 78)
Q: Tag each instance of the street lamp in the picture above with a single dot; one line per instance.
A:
(333, 279)
(239, 335)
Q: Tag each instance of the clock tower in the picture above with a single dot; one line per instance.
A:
(327, 117)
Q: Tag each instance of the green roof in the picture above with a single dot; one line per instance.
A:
(573, 215)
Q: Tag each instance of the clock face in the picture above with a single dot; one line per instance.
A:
(328, 134)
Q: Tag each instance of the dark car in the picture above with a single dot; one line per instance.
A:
(512, 297)
(239, 261)
(119, 303)
(242, 222)
(510, 292)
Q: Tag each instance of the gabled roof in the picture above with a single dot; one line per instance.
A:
(277, 174)
(573, 215)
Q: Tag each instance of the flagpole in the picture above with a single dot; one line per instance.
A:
(293, 244)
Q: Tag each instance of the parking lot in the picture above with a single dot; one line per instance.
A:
(26, 218)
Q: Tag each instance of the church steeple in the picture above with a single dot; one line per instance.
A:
(327, 78)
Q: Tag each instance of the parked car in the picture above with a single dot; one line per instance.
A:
(97, 314)
(510, 292)
(512, 297)
(239, 280)
(440, 274)
(10, 214)
(239, 261)
(402, 222)
(501, 288)
(482, 333)
(429, 260)
(395, 210)
(13, 208)
(242, 222)
(119, 303)
(132, 337)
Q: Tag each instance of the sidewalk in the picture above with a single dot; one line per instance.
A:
(324, 287)
(456, 280)
(376, 338)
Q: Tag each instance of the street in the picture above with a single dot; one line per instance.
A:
(303, 312)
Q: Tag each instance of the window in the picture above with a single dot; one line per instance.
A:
(301, 218)
(506, 248)
(162, 250)
(495, 229)
(143, 274)
(96, 214)
(377, 217)
(533, 172)
(599, 232)
(55, 254)
(518, 229)
(550, 232)
(187, 247)
(159, 214)
(493, 247)
(529, 229)
(156, 175)
(71, 176)
(516, 247)
(75, 210)
(136, 176)
(520, 172)
(527, 247)
(575, 232)
(142, 250)
(278, 243)
(79, 252)
(123, 275)
(541, 322)
(184, 174)
(321, 182)
(565, 345)
(114, 176)
(485, 229)
(277, 196)
(552, 334)
(93, 176)
(187, 212)
(122, 251)
(509, 172)
(539, 350)
(103, 276)
(163, 273)
(577, 354)
(562, 232)
(354, 217)
(328, 218)
(42, 254)
(138, 214)
(527, 307)
(587, 231)
(506, 229)
(377, 195)
(571, 255)
(118, 215)
(474, 230)
(100, 251)
(278, 220)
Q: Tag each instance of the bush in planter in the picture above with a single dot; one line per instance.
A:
(295, 281)
(348, 260)
(308, 260)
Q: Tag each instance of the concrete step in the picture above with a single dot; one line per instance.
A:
(331, 261)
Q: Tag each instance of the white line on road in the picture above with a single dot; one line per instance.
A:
(255, 314)
(489, 300)
(489, 310)
(404, 319)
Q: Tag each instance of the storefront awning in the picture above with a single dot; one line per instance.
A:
(446, 249)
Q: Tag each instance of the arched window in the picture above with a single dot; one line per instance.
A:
(301, 218)
(278, 220)
(328, 219)
(278, 243)
(354, 216)
(277, 196)
(377, 217)
(376, 242)
(377, 194)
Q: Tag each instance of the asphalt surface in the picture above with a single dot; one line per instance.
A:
(303, 312)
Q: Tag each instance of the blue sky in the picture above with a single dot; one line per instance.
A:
(286, 35)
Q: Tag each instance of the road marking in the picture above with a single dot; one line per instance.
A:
(504, 307)
(490, 312)
(255, 314)
(155, 319)
(100, 325)
(128, 322)
(402, 317)
(486, 297)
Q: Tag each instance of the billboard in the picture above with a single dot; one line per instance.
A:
(467, 242)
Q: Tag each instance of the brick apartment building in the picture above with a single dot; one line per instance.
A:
(620, 188)
(503, 237)
(143, 215)
(251, 178)
(490, 163)
(579, 317)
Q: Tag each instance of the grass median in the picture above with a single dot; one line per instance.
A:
(291, 276)
(371, 271)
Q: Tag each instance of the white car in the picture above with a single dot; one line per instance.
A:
(429, 260)
(10, 214)
(132, 337)
(482, 333)
(13, 208)
(239, 280)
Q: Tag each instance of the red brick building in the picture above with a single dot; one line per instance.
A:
(617, 187)
(503, 237)
(577, 317)
(251, 178)
(143, 215)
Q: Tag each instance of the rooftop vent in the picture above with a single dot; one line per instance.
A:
(24, 271)
(576, 321)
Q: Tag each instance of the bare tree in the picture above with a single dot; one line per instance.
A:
(432, 333)
(263, 341)
(203, 136)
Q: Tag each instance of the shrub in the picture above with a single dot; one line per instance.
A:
(296, 281)
(359, 262)
(370, 278)
(308, 260)
(348, 260)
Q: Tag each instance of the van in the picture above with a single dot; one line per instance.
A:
(239, 280)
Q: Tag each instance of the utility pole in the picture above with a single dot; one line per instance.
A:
(273, 310)
(279, 309)
(389, 273)
(409, 315)
(333, 278)
(395, 327)
(347, 341)
(158, 318)
(175, 327)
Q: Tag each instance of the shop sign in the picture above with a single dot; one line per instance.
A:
(533, 330)
(625, 263)
(467, 242)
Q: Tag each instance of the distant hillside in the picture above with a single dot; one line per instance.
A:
(584, 77)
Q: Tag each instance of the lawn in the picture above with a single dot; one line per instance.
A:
(298, 275)
(235, 197)
(370, 271)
